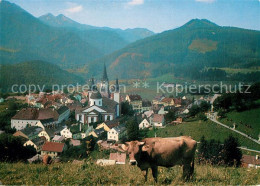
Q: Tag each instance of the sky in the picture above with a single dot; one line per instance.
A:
(156, 15)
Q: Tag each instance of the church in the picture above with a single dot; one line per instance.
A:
(102, 104)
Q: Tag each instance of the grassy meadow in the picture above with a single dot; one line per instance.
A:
(196, 129)
(248, 117)
(89, 173)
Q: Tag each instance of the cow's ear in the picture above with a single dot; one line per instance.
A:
(141, 143)
(124, 147)
(145, 148)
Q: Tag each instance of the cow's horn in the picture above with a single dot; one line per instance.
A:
(141, 143)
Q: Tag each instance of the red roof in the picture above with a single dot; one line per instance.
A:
(135, 97)
(53, 147)
(158, 118)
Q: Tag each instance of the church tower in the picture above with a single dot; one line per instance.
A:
(104, 86)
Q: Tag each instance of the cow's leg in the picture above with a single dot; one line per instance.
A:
(145, 173)
(186, 171)
(155, 172)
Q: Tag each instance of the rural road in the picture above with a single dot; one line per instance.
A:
(213, 117)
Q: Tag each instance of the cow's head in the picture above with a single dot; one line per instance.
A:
(134, 150)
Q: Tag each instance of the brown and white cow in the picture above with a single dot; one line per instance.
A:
(166, 152)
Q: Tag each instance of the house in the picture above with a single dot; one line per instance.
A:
(108, 125)
(158, 120)
(146, 105)
(136, 102)
(66, 133)
(58, 138)
(149, 113)
(116, 133)
(37, 143)
(99, 109)
(53, 149)
(31, 116)
(29, 132)
(250, 161)
(158, 99)
(74, 142)
(172, 102)
(97, 132)
(162, 111)
(144, 124)
(46, 123)
(118, 157)
(47, 133)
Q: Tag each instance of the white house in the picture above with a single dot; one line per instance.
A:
(116, 133)
(158, 120)
(32, 116)
(66, 133)
(144, 124)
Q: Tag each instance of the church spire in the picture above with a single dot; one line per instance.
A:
(105, 78)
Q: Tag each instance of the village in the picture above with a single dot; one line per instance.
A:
(55, 121)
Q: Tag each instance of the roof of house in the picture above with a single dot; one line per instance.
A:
(53, 147)
(113, 123)
(39, 114)
(44, 121)
(158, 117)
(50, 132)
(75, 142)
(27, 114)
(31, 131)
(39, 141)
(118, 157)
(62, 109)
(99, 131)
(58, 138)
(135, 97)
(120, 128)
(167, 100)
(250, 160)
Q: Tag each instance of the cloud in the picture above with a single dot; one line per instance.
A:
(206, 1)
(74, 8)
(135, 2)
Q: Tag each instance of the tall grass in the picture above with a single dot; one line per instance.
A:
(90, 173)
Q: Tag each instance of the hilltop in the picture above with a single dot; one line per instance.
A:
(186, 51)
(35, 72)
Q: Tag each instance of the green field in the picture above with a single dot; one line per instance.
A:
(88, 173)
(249, 117)
(197, 129)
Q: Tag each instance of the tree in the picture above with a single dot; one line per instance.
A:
(170, 116)
(132, 129)
(231, 153)
(12, 149)
(204, 106)
(194, 110)
(126, 109)
(202, 117)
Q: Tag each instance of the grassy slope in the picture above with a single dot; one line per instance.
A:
(68, 173)
(197, 129)
(249, 117)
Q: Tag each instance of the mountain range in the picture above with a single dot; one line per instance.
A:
(186, 51)
(58, 40)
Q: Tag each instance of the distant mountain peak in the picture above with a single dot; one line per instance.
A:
(195, 23)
